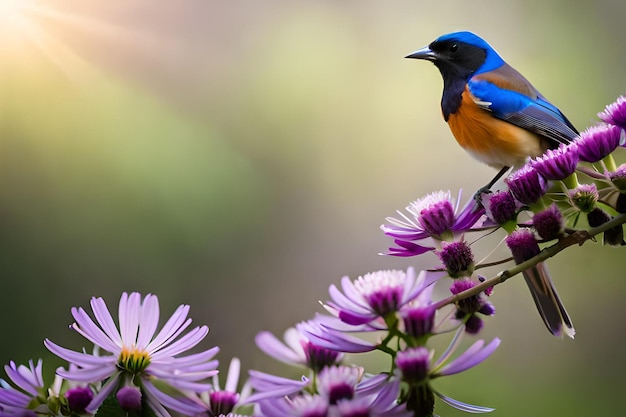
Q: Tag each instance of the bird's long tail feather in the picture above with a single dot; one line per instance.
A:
(547, 301)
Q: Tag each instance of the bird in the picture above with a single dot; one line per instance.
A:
(501, 119)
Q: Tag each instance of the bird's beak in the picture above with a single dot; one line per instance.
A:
(424, 53)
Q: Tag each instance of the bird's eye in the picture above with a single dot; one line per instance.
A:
(454, 47)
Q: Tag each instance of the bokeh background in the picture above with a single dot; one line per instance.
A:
(239, 156)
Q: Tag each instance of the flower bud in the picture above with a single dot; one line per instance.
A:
(129, 398)
(549, 223)
(78, 399)
(414, 364)
(557, 164)
(526, 185)
(458, 258)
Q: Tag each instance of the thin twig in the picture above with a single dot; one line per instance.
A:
(577, 237)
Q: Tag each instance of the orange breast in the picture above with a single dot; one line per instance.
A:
(493, 141)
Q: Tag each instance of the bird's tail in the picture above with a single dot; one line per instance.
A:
(547, 301)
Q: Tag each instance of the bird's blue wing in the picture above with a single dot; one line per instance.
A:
(537, 115)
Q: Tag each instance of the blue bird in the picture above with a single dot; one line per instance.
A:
(499, 118)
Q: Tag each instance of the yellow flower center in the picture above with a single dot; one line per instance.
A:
(133, 360)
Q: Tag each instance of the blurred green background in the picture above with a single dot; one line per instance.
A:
(239, 156)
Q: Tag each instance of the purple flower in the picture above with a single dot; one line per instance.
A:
(418, 320)
(437, 216)
(223, 401)
(29, 394)
(129, 398)
(469, 306)
(597, 142)
(523, 245)
(557, 164)
(615, 113)
(549, 223)
(414, 363)
(342, 391)
(377, 294)
(457, 257)
(526, 185)
(501, 207)
(417, 370)
(297, 350)
(135, 352)
(78, 398)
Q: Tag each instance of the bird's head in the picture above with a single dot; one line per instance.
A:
(460, 55)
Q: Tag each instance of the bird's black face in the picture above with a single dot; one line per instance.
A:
(457, 59)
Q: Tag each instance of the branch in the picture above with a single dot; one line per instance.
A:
(577, 237)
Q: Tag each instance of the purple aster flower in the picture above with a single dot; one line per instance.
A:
(417, 370)
(549, 223)
(557, 164)
(78, 399)
(342, 391)
(615, 113)
(437, 216)
(526, 185)
(414, 363)
(223, 401)
(136, 352)
(457, 257)
(418, 320)
(501, 207)
(337, 383)
(597, 142)
(297, 350)
(584, 197)
(377, 294)
(29, 396)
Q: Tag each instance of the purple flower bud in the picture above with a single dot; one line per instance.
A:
(418, 321)
(501, 207)
(458, 258)
(469, 305)
(414, 364)
(487, 309)
(78, 399)
(597, 142)
(584, 197)
(437, 218)
(526, 185)
(222, 402)
(522, 245)
(557, 164)
(549, 223)
(474, 324)
(615, 113)
(318, 357)
(129, 398)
